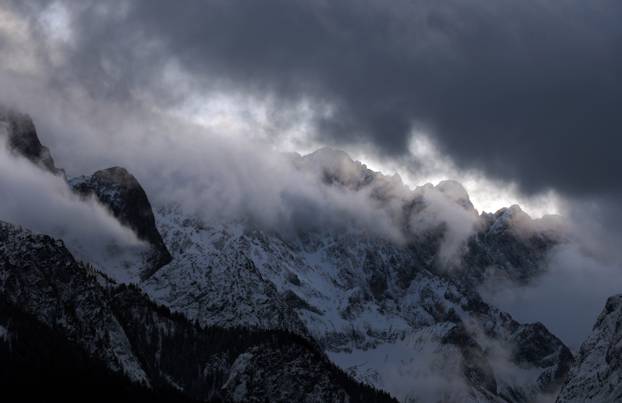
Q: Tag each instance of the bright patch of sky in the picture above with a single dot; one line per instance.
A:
(239, 115)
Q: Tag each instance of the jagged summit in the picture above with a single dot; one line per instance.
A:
(329, 154)
(377, 308)
(337, 167)
(514, 212)
(456, 192)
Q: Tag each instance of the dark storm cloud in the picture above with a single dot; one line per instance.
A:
(528, 91)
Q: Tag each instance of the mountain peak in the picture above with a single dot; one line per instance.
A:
(329, 153)
(455, 192)
(118, 176)
(336, 166)
(510, 217)
(121, 192)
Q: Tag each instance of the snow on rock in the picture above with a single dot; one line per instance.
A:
(596, 375)
(39, 275)
(379, 309)
(118, 326)
(373, 306)
(256, 373)
(213, 281)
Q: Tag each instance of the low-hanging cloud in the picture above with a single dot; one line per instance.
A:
(524, 92)
(213, 175)
(499, 85)
(44, 203)
(567, 298)
(579, 275)
(442, 209)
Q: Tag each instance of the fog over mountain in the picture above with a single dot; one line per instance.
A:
(292, 142)
(44, 202)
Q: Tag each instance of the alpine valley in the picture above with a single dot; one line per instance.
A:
(202, 309)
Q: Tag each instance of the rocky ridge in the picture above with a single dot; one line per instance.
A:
(378, 309)
(368, 303)
(120, 327)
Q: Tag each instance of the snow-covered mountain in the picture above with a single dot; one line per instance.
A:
(120, 327)
(373, 306)
(400, 313)
(597, 372)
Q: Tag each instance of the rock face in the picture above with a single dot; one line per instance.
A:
(114, 187)
(596, 374)
(121, 193)
(40, 276)
(378, 309)
(374, 307)
(257, 315)
(22, 139)
(218, 287)
(120, 327)
(508, 245)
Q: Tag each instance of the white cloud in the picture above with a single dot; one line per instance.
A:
(44, 203)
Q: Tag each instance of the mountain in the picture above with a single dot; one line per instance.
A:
(115, 329)
(369, 304)
(440, 223)
(237, 311)
(595, 376)
(120, 192)
(509, 245)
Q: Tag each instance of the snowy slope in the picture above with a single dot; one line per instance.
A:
(597, 373)
(376, 311)
(400, 314)
(117, 325)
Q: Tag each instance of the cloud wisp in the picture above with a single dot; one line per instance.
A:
(44, 203)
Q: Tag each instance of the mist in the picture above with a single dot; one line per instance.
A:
(567, 298)
(42, 202)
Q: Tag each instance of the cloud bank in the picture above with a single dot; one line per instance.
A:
(500, 86)
(44, 203)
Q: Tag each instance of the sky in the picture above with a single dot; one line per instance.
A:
(519, 101)
(520, 92)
